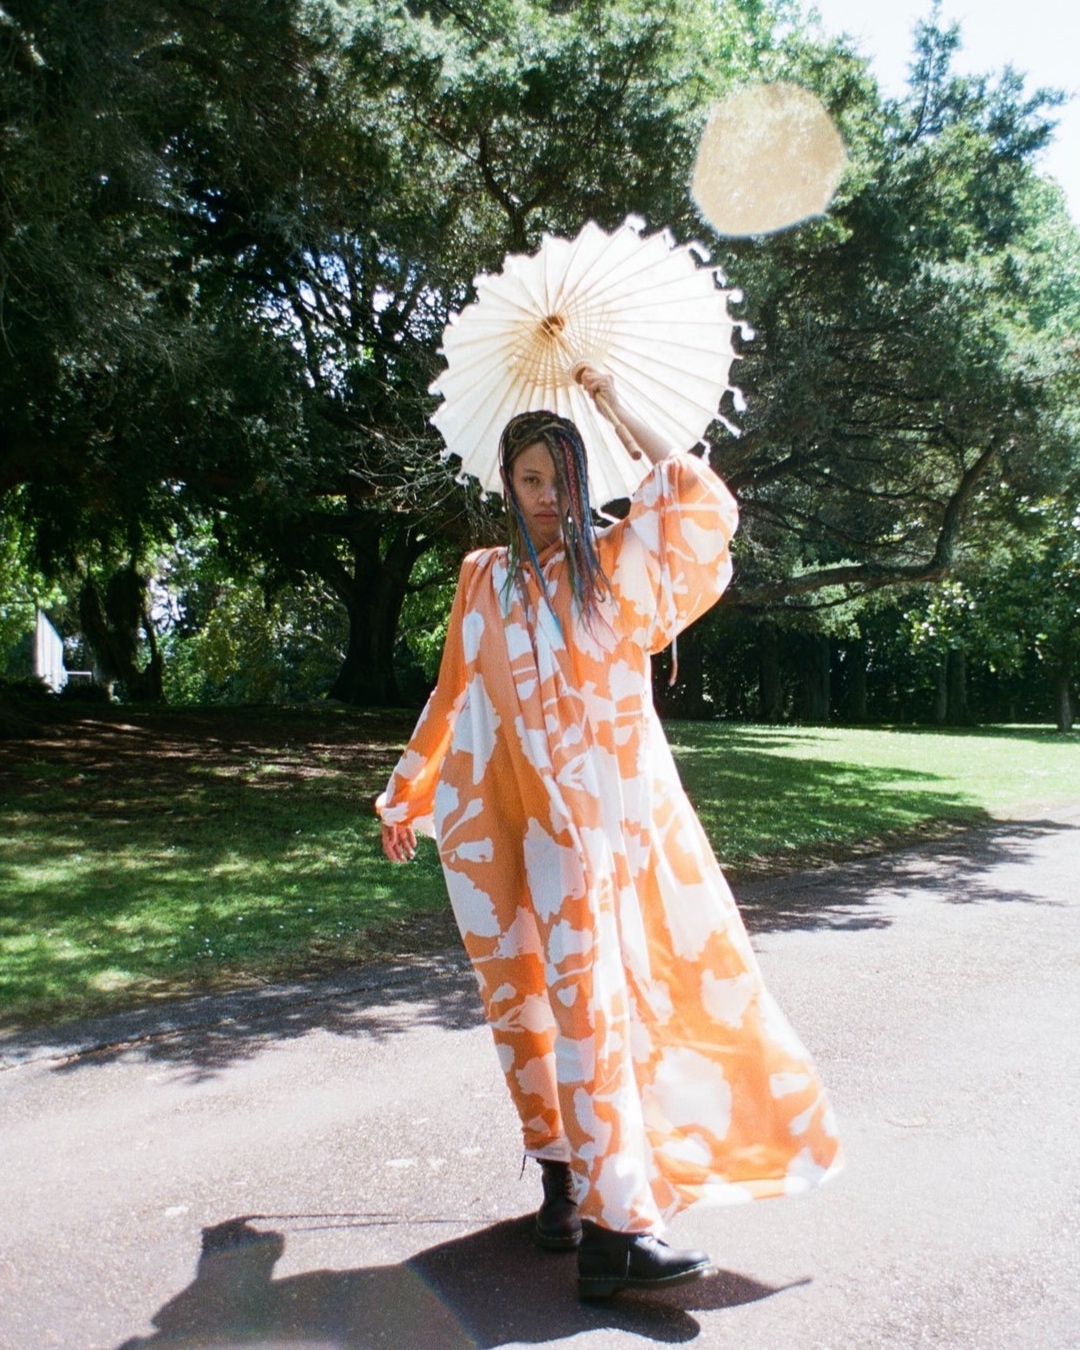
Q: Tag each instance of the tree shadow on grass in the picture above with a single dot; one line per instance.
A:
(778, 735)
(159, 853)
(208, 1034)
(488, 1289)
(171, 854)
(761, 809)
(861, 894)
(1032, 734)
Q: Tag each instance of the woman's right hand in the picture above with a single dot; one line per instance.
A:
(629, 428)
(399, 843)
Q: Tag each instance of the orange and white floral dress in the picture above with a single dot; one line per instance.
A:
(629, 1015)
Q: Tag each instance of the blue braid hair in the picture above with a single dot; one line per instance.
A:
(588, 583)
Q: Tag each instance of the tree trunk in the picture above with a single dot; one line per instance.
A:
(113, 627)
(858, 702)
(956, 688)
(816, 680)
(373, 594)
(1063, 700)
(770, 689)
(686, 698)
(941, 690)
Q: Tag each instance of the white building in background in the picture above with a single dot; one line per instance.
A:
(49, 655)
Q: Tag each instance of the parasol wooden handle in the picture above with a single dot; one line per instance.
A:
(623, 432)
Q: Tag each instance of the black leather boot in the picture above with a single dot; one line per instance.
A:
(557, 1227)
(609, 1261)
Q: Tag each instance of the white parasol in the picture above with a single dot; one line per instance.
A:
(638, 307)
(769, 157)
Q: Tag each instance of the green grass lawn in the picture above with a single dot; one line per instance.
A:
(771, 796)
(146, 854)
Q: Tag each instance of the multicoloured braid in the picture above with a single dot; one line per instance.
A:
(563, 441)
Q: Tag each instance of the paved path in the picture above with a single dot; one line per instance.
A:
(365, 1126)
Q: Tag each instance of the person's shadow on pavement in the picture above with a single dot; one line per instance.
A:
(489, 1289)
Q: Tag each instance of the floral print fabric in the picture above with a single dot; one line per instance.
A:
(628, 1010)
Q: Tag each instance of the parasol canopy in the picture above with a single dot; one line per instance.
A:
(637, 306)
(769, 157)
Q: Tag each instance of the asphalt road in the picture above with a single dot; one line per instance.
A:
(352, 1151)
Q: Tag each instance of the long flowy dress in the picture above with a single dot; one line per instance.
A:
(629, 1015)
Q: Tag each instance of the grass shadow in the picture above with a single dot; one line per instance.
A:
(769, 812)
(207, 1034)
(172, 853)
(203, 1036)
(1026, 734)
(854, 895)
(151, 854)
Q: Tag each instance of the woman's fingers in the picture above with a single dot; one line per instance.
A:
(601, 387)
(595, 381)
(399, 843)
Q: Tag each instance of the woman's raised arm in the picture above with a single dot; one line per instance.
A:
(631, 430)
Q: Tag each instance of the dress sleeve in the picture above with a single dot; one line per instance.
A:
(669, 560)
(410, 794)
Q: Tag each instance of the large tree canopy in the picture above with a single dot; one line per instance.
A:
(898, 361)
(230, 238)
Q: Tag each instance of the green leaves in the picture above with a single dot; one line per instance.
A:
(230, 239)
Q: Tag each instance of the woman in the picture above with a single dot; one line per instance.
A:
(650, 1068)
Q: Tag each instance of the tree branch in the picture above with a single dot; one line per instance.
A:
(869, 576)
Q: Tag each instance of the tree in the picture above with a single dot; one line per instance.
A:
(137, 386)
(228, 306)
(449, 138)
(908, 355)
(1031, 603)
(888, 378)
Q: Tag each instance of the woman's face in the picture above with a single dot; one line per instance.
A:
(543, 508)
